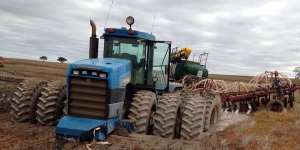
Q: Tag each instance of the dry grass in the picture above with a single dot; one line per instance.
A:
(279, 128)
(265, 121)
(267, 130)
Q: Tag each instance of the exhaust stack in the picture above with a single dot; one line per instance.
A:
(94, 42)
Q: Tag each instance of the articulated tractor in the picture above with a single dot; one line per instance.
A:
(134, 86)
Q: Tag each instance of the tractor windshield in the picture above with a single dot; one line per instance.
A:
(130, 49)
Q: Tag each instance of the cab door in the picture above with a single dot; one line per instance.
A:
(161, 64)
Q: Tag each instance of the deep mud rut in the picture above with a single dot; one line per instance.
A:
(29, 136)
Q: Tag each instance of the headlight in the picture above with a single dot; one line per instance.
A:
(94, 73)
(75, 72)
(130, 20)
(102, 75)
(84, 72)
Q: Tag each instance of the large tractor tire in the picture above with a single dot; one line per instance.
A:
(51, 103)
(141, 110)
(193, 117)
(23, 102)
(213, 110)
(167, 117)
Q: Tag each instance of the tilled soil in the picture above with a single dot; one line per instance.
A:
(24, 135)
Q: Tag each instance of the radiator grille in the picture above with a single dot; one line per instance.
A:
(88, 97)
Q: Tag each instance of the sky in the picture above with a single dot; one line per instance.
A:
(242, 37)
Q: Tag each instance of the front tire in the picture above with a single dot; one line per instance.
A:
(140, 112)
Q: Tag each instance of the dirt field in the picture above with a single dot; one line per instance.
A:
(36, 69)
(260, 130)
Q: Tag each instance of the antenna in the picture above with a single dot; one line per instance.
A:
(153, 23)
(108, 13)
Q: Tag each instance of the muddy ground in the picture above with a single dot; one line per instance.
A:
(259, 130)
(29, 136)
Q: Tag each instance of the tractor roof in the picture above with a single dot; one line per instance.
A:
(123, 32)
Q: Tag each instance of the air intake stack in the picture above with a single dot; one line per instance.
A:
(94, 42)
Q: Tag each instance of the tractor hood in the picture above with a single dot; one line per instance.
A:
(116, 69)
(104, 64)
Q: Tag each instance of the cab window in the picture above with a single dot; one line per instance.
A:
(132, 50)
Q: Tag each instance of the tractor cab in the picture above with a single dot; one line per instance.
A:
(149, 58)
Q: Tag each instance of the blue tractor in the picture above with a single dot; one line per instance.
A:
(119, 89)
(130, 88)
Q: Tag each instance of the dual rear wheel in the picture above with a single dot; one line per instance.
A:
(38, 101)
(177, 115)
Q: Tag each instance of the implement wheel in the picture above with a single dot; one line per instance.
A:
(51, 103)
(275, 105)
(23, 102)
(140, 112)
(167, 116)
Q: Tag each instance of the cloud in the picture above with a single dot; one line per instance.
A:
(242, 37)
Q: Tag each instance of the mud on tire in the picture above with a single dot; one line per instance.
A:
(51, 103)
(141, 110)
(165, 118)
(193, 116)
(23, 101)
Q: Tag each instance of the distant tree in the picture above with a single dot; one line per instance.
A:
(62, 59)
(43, 58)
(297, 72)
(2, 61)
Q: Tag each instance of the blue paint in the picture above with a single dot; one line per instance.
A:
(77, 127)
(116, 69)
(123, 32)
